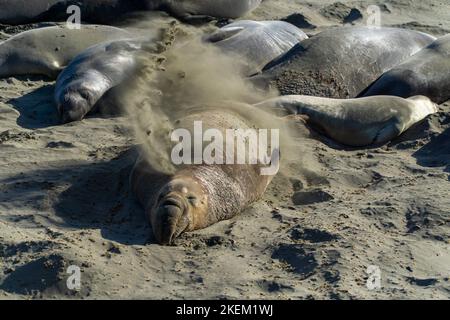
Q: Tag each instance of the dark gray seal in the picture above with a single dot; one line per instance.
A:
(208, 8)
(93, 11)
(342, 62)
(425, 73)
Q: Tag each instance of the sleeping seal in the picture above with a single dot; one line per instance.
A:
(46, 51)
(93, 73)
(357, 122)
(14, 12)
(257, 42)
(425, 73)
(23, 11)
(197, 196)
(187, 9)
(341, 62)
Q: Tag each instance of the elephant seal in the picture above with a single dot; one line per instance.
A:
(14, 12)
(198, 195)
(93, 73)
(341, 62)
(208, 8)
(425, 73)
(357, 122)
(46, 51)
(257, 42)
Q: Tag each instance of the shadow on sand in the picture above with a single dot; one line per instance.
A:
(84, 196)
(435, 153)
(36, 108)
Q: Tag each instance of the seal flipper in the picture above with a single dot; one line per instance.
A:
(387, 133)
(223, 34)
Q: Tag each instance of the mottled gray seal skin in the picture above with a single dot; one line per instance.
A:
(425, 73)
(357, 122)
(257, 42)
(197, 196)
(341, 62)
(92, 74)
(210, 8)
(46, 51)
(93, 11)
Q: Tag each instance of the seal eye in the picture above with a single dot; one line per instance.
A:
(192, 198)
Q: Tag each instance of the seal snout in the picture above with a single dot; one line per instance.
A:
(169, 219)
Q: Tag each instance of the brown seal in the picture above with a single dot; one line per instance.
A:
(197, 196)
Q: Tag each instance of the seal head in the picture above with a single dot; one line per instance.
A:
(74, 107)
(180, 206)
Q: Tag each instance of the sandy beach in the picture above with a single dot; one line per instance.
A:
(329, 218)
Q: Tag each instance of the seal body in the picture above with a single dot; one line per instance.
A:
(357, 122)
(341, 62)
(93, 11)
(23, 11)
(212, 8)
(197, 196)
(425, 73)
(257, 42)
(46, 51)
(93, 73)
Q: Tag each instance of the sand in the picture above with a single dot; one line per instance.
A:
(329, 215)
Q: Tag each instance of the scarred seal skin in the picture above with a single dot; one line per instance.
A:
(197, 196)
(341, 62)
(357, 122)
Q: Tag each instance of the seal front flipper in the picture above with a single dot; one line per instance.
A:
(388, 133)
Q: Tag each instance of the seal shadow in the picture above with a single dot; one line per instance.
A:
(100, 197)
(435, 153)
(85, 196)
(36, 108)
